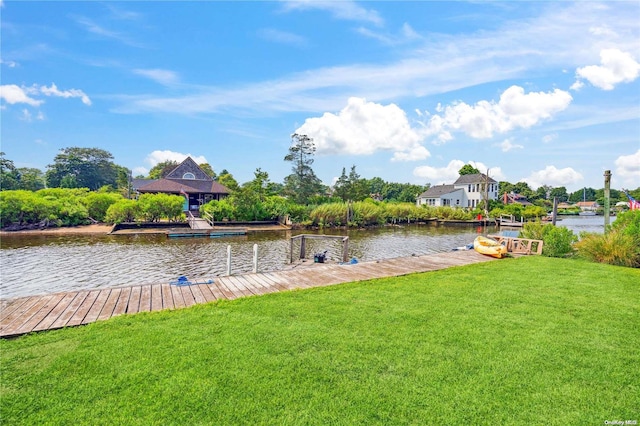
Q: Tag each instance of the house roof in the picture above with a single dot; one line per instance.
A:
(474, 178)
(189, 186)
(438, 190)
(174, 182)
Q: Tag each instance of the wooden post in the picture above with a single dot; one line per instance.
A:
(554, 213)
(345, 249)
(228, 260)
(290, 250)
(607, 196)
(255, 258)
(303, 248)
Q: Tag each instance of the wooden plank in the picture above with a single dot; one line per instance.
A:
(206, 293)
(110, 304)
(258, 283)
(278, 280)
(30, 318)
(268, 285)
(156, 297)
(70, 310)
(123, 302)
(94, 312)
(10, 306)
(197, 294)
(84, 308)
(243, 285)
(189, 300)
(217, 292)
(55, 313)
(17, 313)
(232, 291)
(134, 300)
(145, 298)
(178, 300)
(167, 296)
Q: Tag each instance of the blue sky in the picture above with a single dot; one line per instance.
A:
(545, 92)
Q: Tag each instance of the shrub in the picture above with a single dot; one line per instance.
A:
(158, 206)
(121, 211)
(620, 245)
(221, 209)
(558, 241)
(97, 204)
(614, 247)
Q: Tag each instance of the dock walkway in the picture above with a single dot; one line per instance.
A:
(52, 311)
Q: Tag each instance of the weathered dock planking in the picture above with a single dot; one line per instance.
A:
(47, 312)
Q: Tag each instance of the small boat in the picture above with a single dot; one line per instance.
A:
(489, 246)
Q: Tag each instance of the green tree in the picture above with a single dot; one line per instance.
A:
(225, 178)
(341, 187)
(81, 168)
(9, 175)
(31, 179)
(206, 167)
(468, 169)
(303, 183)
(162, 169)
(358, 190)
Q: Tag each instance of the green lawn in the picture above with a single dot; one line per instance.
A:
(519, 341)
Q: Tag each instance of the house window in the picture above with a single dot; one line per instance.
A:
(188, 175)
(446, 202)
(457, 202)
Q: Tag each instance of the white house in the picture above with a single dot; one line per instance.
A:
(467, 191)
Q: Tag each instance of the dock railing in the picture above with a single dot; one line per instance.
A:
(303, 244)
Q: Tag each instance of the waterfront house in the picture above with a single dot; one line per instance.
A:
(466, 191)
(588, 206)
(188, 180)
(514, 198)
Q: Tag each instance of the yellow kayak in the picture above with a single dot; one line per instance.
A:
(489, 246)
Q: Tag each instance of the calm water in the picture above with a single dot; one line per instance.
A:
(46, 264)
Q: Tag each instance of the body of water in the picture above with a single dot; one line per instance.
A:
(38, 264)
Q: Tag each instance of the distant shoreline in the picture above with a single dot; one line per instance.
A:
(64, 230)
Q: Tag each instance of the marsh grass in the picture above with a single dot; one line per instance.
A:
(519, 341)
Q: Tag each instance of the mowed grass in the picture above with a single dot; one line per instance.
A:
(519, 341)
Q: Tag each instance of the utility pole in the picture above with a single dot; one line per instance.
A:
(607, 196)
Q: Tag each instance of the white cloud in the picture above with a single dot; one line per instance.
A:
(71, 93)
(140, 171)
(616, 67)
(628, 169)
(283, 37)
(552, 176)
(13, 94)
(514, 110)
(602, 30)
(164, 77)
(416, 153)
(449, 173)
(507, 145)
(363, 128)
(345, 9)
(159, 156)
(549, 138)
(10, 64)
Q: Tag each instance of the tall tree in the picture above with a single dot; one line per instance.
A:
(468, 169)
(31, 179)
(225, 178)
(341, 187)
(206, 167)
(303, 183)
(81, 168)
(357, 186)
(162, 169)
(9, 175)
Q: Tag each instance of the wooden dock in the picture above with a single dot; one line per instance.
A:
(52, 311)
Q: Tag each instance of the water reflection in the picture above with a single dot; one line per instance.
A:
(51, 263)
